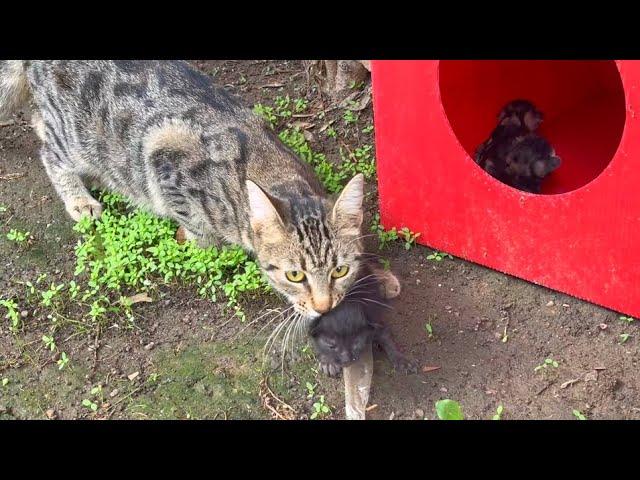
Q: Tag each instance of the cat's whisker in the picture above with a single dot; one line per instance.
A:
(285, 340)
(271, 321)
(274, 310)
(370, 300)
(274, 335)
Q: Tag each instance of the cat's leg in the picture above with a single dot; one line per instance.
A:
(399, 360)
(69, 186)
(389, 283)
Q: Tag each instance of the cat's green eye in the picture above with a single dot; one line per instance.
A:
(295, 276)
(340, 271)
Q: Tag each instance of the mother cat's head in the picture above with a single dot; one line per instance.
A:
(309, 247)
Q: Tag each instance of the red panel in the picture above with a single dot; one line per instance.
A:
(584, 240)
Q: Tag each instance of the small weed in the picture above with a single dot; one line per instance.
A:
(449, 410)
(12, 314)
(3, 208)
(331, 132)
(498, 415)
(311, 390)
(438, 256)
(5, 381)
(627, 319)
(90, 405)
(408, 237)
(62, 361)
(579, 415)
(349, 117)
(49, 342)
(18, 236)
(265, 112)
(429, 329)
(549, 362)
(624, 337)
(386, 264)
(300, 105)
(368, 129)
(320, 409)
(356, 85)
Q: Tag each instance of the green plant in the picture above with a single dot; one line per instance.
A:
(320, 409)
(438, 256)
(96, 396)
(579, 415)
(349, 117)
(384, 236)
(549, 362)
(49, 342)
(90, 405)
(12, 314)
(265, 112)
(300, 105)
(48, 295)
(408, 237)
(62, 361)
(624, 337)
(18, 236)
(498, 414)
(3, 208)
(449, 410)
(368, 129)
(5, 381)
(627, 319)
(429, 329)
(331, 132)
(130, 249)
(311, 390)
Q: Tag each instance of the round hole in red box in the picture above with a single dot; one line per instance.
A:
(582, 101)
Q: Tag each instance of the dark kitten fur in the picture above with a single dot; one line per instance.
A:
(340, 336)
(521, 113)
(531, 159)
(514, 154)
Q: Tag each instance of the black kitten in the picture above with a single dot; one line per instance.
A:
(340, 336)
(531, 159)
(514, 154)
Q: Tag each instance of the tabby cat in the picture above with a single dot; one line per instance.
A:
(162, 134)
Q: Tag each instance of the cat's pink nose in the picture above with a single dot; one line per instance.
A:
(322, 305)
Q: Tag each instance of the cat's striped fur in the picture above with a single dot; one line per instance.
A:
(162, 134)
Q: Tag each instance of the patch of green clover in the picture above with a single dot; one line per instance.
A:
(131, 250)
(385, 237)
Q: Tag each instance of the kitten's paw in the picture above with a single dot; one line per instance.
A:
(79, 206)
(330, 369)
(405, 365)
(389, 284)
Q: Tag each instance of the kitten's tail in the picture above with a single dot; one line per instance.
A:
(14, 87)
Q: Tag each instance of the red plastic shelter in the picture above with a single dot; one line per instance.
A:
(582, 235)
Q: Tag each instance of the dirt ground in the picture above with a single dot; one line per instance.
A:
(184, 360)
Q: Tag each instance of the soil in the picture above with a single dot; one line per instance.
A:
(185, 359)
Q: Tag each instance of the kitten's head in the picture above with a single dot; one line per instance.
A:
(521, 113)
(309, 248)
(340, 337)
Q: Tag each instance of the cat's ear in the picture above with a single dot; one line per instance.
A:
(347, 211)
(265, 220)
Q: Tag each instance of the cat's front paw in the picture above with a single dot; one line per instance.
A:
(389, 284)
(79, 206)
(330, 369)
(404, 364)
